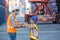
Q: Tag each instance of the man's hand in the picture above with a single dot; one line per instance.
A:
(17, 25)
(23, 25)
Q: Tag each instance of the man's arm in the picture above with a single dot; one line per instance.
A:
(14, 23)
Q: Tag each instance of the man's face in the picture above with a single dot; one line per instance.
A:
(16, 12)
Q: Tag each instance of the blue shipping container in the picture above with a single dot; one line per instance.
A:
(2, 14)
(2, 2)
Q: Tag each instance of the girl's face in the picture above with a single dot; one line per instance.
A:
(31, 21)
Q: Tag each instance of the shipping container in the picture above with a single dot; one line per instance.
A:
(46, 10)
(3, 11)
(2, 2)
(2, 14)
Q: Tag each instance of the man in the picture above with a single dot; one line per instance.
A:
(12, 23)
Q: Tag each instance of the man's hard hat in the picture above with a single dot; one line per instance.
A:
(15, 8)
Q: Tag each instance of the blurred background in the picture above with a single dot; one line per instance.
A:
(48, 18)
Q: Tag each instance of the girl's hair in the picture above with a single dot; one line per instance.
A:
(31, 19)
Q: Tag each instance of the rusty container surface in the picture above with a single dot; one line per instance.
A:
(39, 0)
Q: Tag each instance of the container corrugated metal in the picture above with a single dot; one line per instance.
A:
(2, 2)
(2, 14)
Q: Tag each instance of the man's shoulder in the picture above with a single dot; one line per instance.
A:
(11, 15)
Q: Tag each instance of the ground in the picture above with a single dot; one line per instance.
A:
(47, 32)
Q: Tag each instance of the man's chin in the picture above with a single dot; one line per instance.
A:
(15, 14)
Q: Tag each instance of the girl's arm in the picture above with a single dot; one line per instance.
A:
(28, 25)
(36, 27)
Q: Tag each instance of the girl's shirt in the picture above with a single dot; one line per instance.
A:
(33, 32)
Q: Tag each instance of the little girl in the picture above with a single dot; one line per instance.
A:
(33, 29)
